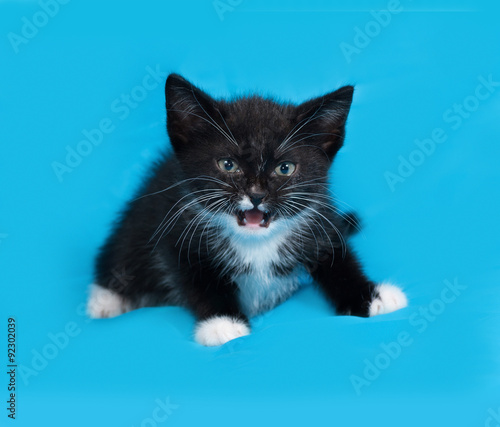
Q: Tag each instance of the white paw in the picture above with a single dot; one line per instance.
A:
(219, 330)
(105, 303)
(390, 298)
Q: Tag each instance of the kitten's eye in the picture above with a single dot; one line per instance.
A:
(228, 165)
(285, 169)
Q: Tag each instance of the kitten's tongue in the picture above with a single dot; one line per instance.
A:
(254, 216)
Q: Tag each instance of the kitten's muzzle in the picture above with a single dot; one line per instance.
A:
(253, 218)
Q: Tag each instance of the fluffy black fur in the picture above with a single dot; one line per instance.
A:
(172, 244)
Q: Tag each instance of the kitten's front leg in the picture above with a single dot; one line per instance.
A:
(351, 292)
(215, 304)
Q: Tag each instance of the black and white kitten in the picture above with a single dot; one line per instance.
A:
(227, 224)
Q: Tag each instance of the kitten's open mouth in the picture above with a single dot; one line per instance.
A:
(253, 218)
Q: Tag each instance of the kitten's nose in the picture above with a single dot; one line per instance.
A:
(256, 197)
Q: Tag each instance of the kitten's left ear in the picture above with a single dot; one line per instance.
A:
(325, 116)
(190, 112)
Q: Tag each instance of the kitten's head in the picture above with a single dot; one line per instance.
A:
(256, 161)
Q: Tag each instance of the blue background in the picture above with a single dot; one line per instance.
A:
(441, 223)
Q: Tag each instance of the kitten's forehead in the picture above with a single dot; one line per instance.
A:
(259, 123)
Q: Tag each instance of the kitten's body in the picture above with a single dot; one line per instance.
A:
(229, 244)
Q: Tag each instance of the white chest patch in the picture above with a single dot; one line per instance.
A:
(254, 254)
(261, 291)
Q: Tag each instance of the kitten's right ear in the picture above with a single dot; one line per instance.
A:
(325, 117)
(189, 111)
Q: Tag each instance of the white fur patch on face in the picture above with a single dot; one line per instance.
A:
(245, 203)
(219, 330)
(390, 298)
(105, 303)
(255, 240)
